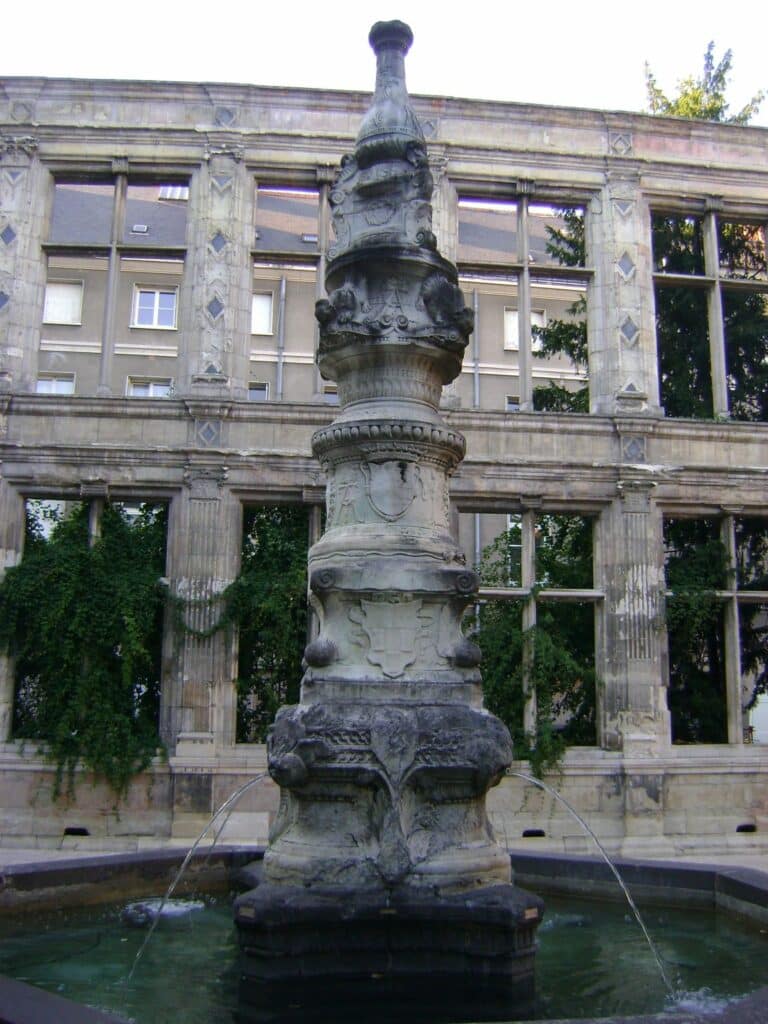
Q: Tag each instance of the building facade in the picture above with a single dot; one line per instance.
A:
(161, 250)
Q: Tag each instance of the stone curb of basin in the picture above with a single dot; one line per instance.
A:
(79, 880)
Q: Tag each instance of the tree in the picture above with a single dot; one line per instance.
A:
(83, 622)
(701, 98)
(556, 656)
(268, 605)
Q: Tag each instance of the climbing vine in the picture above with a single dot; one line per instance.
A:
(82, 620)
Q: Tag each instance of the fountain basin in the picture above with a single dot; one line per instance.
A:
(75, 882)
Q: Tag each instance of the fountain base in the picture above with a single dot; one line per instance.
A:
(320, 950)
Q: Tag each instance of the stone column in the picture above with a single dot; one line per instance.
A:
(621, 317)
(12, 523)
(25, 202)
(634, 715)
(215, 307)
(198, 702)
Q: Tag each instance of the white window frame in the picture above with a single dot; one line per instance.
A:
(512, 328)
(158, 387)
(62, 383)
(261, 318)
(253, 384)
(512, 403)
(50, 317)
(157, 290)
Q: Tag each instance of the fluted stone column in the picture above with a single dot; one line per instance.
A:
(385, 764)
(11, 547)
(25, 197)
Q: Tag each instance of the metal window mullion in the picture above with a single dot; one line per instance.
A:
(734, 702)
(112, 288)
(715, 317)
(527, 579)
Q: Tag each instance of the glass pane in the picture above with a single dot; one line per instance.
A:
(564, 551)
(564, 669)
(492, 543)
(682, 336)
(261, 313)
(258, 391)
(751, 553)
(499, 633)
(559, 343)
(82, 213)
(678, 246)
(166, 309)
(138, 389)
(155, 215)
(745, 315)
(697, 692)
(487, 231)
(555, 236)
(63, 303)
(742, 251)
(286, 219)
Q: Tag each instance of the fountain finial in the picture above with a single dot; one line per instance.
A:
(390, 126)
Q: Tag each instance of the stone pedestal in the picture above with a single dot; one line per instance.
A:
(383, 870)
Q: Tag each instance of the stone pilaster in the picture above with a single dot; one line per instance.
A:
(11, 547)
(25, 196)
(634, 713)
(215, 307)
(620, 328)
(198, 697)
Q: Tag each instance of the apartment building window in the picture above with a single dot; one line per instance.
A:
(122, 238)
(512, 329)
(149, 387)
(258, 391)
(711, 292)
(523, 263)
(287, 219)
(154, 307)
(536, 619)
(63, 303)
(716, 624)
(55, 384)
(512, 403)
(261, 313)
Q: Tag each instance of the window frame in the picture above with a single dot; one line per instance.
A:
(265, 295)
(158, 290)
(48, 375)
(78, 322)
(253, 384)
(140, 379)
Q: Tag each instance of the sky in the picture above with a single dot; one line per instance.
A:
(590, 53)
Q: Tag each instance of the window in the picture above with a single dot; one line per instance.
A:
(331, 394)
(155, 308)
(55, 384)
(512, 329)
(258, 391)
(261, 313)
(286, 219)
(536, 620)
(149, 387)
(711, 315)
(512, 403)
(516, 255)
(63, 302)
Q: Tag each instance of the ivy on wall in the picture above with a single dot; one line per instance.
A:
(82, 620)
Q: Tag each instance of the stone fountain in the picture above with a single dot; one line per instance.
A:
(383, 873)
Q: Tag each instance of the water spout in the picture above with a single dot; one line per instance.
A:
(615, 871)
(228, 806)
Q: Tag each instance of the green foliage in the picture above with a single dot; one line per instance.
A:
(83, 625)
(556, 657)
(268, 604)
(565, 337)
(697, 566)
(702, 98)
